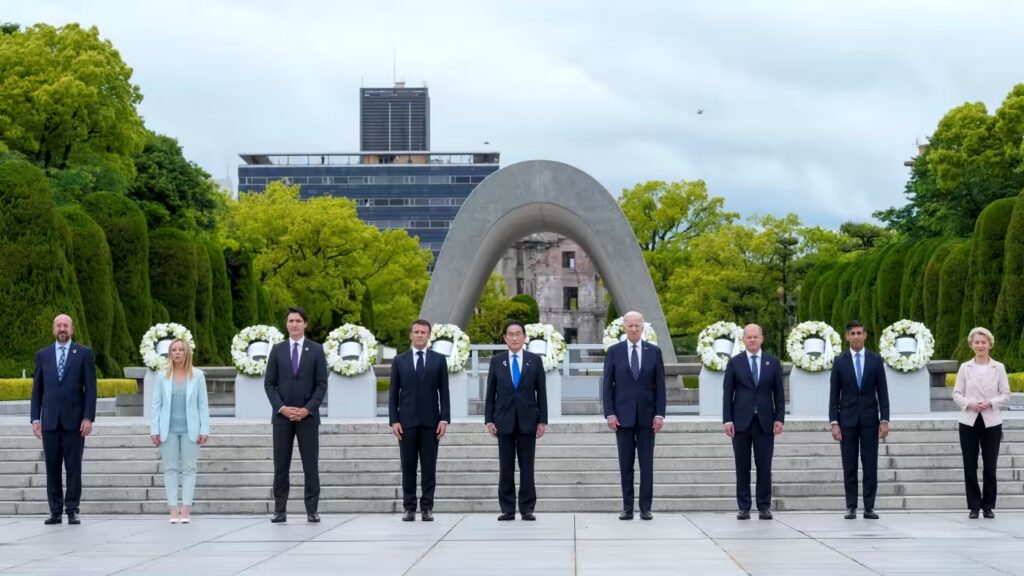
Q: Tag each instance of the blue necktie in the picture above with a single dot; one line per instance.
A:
(634, 364)
(60, 363)
(295, 358)
(754, 369)
(515, 371)
(860, 372)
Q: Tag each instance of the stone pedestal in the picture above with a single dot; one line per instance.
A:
(352, 396)
(251, 398)
(458, 394)
(553, 383)
(148, 383)
(909, 392)
(710, 395)
(808, 393)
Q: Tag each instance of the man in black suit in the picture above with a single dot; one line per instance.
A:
(634, 405)
(858, 408)
(419, 410)
(753, 410)
(296, 381)
(516, 411)
(62, 412)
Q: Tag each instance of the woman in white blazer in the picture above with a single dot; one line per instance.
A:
(180, 425)
(981, 387)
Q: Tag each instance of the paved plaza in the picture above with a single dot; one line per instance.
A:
(557, 544)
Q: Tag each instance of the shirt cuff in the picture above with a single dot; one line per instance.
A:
(36, 421)
(445, 422)
(884, 422)
(662, 417)
(834, 422)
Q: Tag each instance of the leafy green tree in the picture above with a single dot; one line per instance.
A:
(952, 287)
(223, 310)
(172, 190)
(174, 277)
(244, 287)
(932, 281)
(986, 270)
(206, 320)
(889, 285)
(864, 235)
(1009, 316)
(493, 309)
(534, 314)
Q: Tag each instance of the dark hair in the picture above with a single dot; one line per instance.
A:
(297, 310)
(513, 322)
(420, 322)
(854, 324)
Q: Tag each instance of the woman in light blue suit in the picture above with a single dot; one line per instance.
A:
(180, 425)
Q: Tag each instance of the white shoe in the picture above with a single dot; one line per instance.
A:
(186, 520)
(174, 520)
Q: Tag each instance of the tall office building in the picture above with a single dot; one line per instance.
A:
(394, 119)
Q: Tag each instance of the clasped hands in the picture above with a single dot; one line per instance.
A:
(294, 414)
(980, 405)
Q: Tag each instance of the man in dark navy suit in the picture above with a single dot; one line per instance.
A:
(634, 405)
(62, 412)
(419, 410)
(753, 410)
(858, 408)
(516, 411)
(296, 382)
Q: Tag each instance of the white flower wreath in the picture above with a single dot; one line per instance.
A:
(616, 332)
(163, 331)
(245, 363)
(460, 345)
(555, 352)
(808, 362)
(347, 366)
(720, 330)
(912, 361)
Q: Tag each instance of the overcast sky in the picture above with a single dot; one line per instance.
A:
(809, 107)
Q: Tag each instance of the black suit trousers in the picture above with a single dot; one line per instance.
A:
(63, 447)
(636, 443)
(862, 438)
(307, 432)
(418, 446)
(971, 438)
(512, 446)
(763, 444)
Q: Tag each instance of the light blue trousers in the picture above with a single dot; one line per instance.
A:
(179, 457)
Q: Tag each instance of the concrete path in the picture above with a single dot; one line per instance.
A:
(559, 544)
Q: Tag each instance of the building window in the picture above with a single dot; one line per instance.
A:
(569, 260)
(570, 298)
(520, 285)
(571, 335)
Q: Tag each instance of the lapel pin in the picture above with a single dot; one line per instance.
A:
(504, 363)
(74, 350)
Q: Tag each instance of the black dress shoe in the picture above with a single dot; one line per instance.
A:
(764, 514)
(528, 516)
(851, 514)
(743, 515)
(279, 517)
(428, 516)
(973, 514)
(312, 517)
(988, 513)
(646, 515)
(409, 516)
(507, 516)
(869, 513)
(625, 515)
(73, 518)
(53, 519)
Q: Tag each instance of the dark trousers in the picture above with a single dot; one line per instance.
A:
(63, 447)
(971, 438)
(763, 444)
(285, 432)
(637, 443)
(864, 438)
(522, 446)
(418, 446)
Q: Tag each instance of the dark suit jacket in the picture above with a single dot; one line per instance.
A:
(850, 406)
(635, 402)
(419, 400)
(68, 401)
(505, 404)
(307, 389)
(740, 394)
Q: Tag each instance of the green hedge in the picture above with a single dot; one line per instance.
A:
(952, 287)
(837, 316)
(21, 388)
(37, 281)
(1009, 316)
(826, 295)
(173, 277)
(224, 327)
(206, 341)
(534, 313)
(1016, 381)
(932, 275)
(888, 288)
(805, 306)
(244, 296)
(912, 287)
(986, 273)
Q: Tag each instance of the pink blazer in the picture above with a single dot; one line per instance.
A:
(975, 382)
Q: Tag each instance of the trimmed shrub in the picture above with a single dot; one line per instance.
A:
(21, 388)
(912, 289)
(932, 276)
(986, 272)
(174, 277)
(533, 315)
(124, 225)
(889, 285)
(808, 297)
(37, 281)
(1009, 317)
(867, 303)
(951, 305)
(206, 342)
(827, 293)
(837, 316)
(244, 288)
(224, 328)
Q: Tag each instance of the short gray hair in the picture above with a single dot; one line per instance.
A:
(984, 332)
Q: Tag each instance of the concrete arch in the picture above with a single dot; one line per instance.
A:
(540, 196)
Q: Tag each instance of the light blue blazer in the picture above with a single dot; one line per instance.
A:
(197, 408)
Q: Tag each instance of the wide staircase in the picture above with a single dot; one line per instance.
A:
(919, 468)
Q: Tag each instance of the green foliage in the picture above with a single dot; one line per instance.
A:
(912, 286)
(889, 285)
(987, 260)
(124, 226)
(224, 324)
(837, 316)
(21, 388)
(1009, 315)
(932, 278)
(493, 309)
(864, 235)
(37, 281)
(244, 288)
(1016, 381)
(827, 293)
(867, 303)
(810, 291)
(205, 320)
(172, 190)
(533, 316)
(174, 277)
(952, 287)
(66, 99)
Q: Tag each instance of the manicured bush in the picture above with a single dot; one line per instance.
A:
(37, 281)
(124, 226)
(224, 328)
(889, 285)
(932, 275)
(534, 313)
(827, 293)
(986, 271)
(206, 343)
(912, 288)
(808, 298)
(1009, 317)
(952, 287)
(867, 303)
(173, 276)
(844, 287)
(244, 288)
(21, 388)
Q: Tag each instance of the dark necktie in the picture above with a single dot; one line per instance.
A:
(60, 362)
(515, 371)
(857, 366)
(419, 362)
(634, 364)
(755, 369)
(295, 358)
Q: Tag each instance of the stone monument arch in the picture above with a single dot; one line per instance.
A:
(540, 196)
